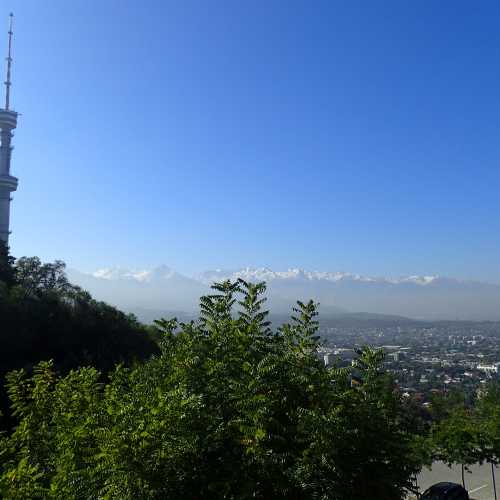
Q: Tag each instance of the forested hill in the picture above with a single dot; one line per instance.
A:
(44, 317)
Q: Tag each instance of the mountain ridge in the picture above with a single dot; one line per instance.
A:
(427, 297)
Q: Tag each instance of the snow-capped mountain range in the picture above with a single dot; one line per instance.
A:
(251, 274)
(422, 297)
(266, 274)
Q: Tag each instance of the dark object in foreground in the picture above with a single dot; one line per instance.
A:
(445, 491)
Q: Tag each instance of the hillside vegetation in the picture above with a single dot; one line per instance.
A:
(44, 317)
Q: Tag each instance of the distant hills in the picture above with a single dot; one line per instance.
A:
(163, 292)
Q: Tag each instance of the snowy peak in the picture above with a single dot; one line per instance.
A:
(266, 274)
(419, 280)
(141, 276)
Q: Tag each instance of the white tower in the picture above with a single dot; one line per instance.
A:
(8, 122)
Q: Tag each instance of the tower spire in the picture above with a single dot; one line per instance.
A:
(9, 65)
(8, 122)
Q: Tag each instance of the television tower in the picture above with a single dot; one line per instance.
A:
(8, 122)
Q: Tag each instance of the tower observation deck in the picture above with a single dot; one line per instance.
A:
(8, 122)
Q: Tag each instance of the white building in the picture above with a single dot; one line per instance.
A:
(493, 368)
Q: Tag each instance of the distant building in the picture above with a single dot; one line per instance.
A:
(391, 348)
(493, 368)
(344, 354)
(395, 356)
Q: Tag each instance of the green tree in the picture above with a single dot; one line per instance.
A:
(37, 279)
(43, 317)
(228, 408)
(460, 439)
(488, 416)
(7, 270)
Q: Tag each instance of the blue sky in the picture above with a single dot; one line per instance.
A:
(355, 136)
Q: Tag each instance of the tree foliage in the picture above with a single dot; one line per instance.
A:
(467, 434)
(43, 317)
(228, 409)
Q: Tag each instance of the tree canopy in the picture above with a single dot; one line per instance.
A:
(44, 317)
(229, 408)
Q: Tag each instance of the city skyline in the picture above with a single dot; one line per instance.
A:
(222, 136)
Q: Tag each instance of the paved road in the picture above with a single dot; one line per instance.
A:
(478, 481)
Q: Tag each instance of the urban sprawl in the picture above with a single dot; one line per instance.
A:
(424, 360)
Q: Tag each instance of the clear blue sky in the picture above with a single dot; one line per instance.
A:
(331, 135)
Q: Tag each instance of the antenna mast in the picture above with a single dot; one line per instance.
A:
(9, 65)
